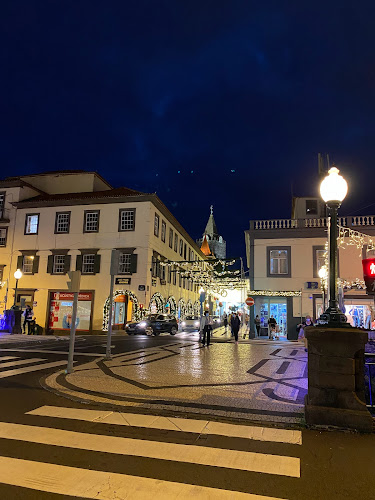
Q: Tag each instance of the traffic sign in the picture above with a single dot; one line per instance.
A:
(250, 301)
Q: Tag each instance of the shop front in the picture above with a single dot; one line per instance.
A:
(265, 307)
(125, 308)
(60, 311)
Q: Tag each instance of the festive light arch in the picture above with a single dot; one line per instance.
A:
(196, 307)
(159, 301)
(181, 308)
(172, 305)
(189, 310)
(136, 312)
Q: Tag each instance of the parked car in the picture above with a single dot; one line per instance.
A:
(190, 323)
(154, 324)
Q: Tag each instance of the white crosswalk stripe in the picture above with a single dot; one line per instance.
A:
(13, 365)
(84, 481)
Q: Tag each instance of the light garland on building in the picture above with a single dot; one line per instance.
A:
(349, 237)
(356, 284)
(159, 301)
(269, 293)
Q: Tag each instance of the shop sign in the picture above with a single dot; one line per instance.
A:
(70, 296)
(369, 275)
(123, 281)
(312, 285)
(141, 288)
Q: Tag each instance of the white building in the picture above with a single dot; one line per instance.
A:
(71, 220)
(284, 257)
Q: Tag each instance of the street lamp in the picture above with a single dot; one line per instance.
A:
(323, 275)
(333, 190)
(18, 275)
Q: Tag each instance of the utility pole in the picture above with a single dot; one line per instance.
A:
(115, 259)
(73, 286)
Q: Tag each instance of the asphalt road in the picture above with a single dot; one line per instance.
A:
(65, 449)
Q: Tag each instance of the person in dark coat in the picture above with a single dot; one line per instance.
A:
(225, 321)
(235, 324)
(257, 324)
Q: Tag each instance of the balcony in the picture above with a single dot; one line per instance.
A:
(352, 222)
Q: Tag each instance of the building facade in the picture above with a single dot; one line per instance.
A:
(284, 257)
(56, 222)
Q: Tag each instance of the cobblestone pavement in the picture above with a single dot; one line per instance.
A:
(264, 381)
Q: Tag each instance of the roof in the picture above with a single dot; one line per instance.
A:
(211, 228)
(45, 199)
(205, 247)
(58, 172)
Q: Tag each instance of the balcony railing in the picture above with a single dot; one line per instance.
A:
(361, 220)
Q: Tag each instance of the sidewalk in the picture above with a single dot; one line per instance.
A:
(264, 382)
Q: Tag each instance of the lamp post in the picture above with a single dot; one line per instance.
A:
(333, 190)
(323, 275)
(18, 275)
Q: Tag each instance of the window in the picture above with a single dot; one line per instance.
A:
(311, 207)
(62, 222)
(162, 273)
(174, 276)
(28, 264)
(163, 231)
(185, 250)
(170, 237)
(58, 264)
(88, 262)
(91, 221)
(2, 203)
(181, 247)
(3, 236)
(126, 220)
(319, 259)
(169, 274)
(31, 223)
(278, 262)
(124, 263)
(154, 267)
(156, 225)
(175, 242)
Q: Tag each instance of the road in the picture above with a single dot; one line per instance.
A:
(52, 447)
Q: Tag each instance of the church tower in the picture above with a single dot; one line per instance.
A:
(211, 242)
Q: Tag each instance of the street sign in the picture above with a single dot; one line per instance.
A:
(123, 281)
(250, 301)
(369, 275)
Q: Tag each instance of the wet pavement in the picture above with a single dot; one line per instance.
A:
(258, 381)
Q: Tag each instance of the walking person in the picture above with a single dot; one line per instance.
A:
(271, 328)
(235, 324)
(257, 324)
(206, 328)
(28, 315)
(225, 322)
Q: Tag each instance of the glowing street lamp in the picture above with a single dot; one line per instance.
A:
(18, 275)
(333, 190)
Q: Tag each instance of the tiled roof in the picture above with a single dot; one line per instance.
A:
(109, 193)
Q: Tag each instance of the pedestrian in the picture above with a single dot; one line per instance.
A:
(301, 329)
(235, 324)
(28, 315)
(225, 322)
(257, 324)
(271, 328)
(206, 328)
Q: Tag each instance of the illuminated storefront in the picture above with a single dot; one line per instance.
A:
(61, 308)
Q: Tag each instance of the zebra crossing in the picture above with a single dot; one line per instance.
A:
(16, 365)
(158, 444)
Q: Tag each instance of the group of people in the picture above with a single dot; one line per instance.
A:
(233, 320)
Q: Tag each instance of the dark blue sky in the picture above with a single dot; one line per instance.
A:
(222, 102)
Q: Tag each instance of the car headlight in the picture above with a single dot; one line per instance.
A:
(143, 324)
(196, 323)
(183, 323)
(127, 325)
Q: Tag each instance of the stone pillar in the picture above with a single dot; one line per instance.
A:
(336, 378)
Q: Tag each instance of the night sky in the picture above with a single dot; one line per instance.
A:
(205, 102)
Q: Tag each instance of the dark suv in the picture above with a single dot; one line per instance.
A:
(154, 324)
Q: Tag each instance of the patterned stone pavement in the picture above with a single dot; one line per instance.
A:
(264, 382)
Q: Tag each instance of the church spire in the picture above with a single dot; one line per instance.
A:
(211, 229)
